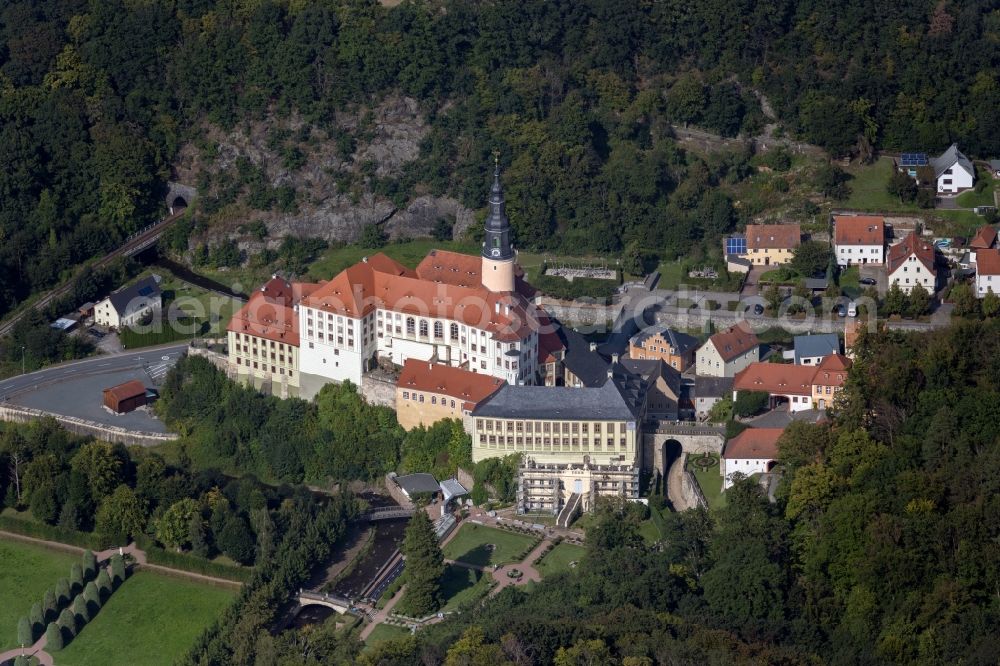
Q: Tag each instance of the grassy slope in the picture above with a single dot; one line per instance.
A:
(469, 545)
(151, 619)
(710, 481)
(385, 632)
(26, 571)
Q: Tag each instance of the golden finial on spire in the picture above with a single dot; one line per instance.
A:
(496, 159)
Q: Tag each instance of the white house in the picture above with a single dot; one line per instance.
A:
(753, 451)
(128, 306)
(987, 272)
(727, 352)
(910, 263)
(859, 239)
(811, 349)
(953, 171)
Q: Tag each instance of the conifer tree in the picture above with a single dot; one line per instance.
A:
(424, 565)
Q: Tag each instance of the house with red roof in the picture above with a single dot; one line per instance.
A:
(727, 352)
(800, 387)
(753, 451)
(987, 272)
(912, 262)
(859, 239)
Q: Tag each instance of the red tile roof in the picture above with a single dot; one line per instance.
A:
(129, 389)
(753, 444)
(832, 371)
(469, 387)
(461, 270)
(381, 283)
(773, 236)
(859, 230)
(733, 342)
(270, 312)
(987, 262)
(911, 245)
(985, 238)
(776, 378)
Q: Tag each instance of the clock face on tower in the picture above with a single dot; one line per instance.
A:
(495, 252)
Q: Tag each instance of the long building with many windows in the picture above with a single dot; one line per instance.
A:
(453, 309)
(263, 337)
(582, 441)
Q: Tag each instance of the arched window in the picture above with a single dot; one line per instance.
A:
(454, 331)
(423, 327)
(411, 326)
(438, 330)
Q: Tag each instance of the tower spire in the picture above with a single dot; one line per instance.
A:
(497, 248)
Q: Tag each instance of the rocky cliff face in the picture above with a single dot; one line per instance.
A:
(332, 175)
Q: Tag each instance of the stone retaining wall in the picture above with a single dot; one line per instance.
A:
(101, 431)
(378, 390)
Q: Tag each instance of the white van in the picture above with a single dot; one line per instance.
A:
(852, 309)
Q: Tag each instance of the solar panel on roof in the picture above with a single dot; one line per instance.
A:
(145, 291)
(913, 159)
(736, 245)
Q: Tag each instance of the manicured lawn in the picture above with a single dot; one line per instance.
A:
(472, 545)
(649, 532)
(151, 619)
(385, 632)
(972, 198)
(710, 481)
(868, 188)
(26, 571)
(671, 274)
(184, 304)
(460, 585)
(557, 560)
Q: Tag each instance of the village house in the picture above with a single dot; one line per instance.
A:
(829, 379)
(129, 306)
(953, 171)
(707, 391)
(912, 262)
(753, 451)
(801, 387)
(674, 348)
(859, 239)
(786, 384)
(428, 392)
(811, 349)
(987, 272)
(727, 352)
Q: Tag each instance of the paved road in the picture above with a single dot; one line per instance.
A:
(132, 245)
(75, 388)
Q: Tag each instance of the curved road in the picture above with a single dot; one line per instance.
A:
(75, 389)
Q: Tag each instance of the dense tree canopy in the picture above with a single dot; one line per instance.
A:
(97, 97)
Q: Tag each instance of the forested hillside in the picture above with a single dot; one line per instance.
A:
(881, 549)
(97, 98)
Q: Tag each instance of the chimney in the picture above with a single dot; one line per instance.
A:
(593, 346)
(614, 359)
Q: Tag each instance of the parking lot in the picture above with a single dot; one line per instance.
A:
(874, 272)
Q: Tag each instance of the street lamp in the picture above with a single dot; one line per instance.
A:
(22, 359)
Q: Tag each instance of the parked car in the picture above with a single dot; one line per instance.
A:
(758, 309)
(868, 281)
(94, 332)
(840, 310)
(852, 309)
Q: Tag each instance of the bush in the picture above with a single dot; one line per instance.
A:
(600, 291)
(37, 617)
(749, 403)
(104, 582)
(193, 563)
(91, 594)
(50, 532)
(25, 632)
(63, 595)
(80, 610)
(53, 638)
(68, 621)
(89, 565)
(50, 607)
(117, 569)
(75, 578)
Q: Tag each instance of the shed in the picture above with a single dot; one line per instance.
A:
(126, 397)
(452, 488)
(87, 309)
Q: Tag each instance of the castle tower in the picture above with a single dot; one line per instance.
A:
(498, 254)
